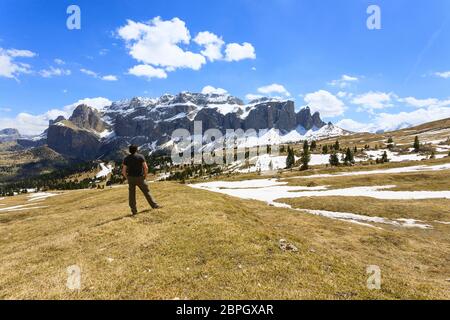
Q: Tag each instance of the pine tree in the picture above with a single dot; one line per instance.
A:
(416, 144)
(334, 159)
(349, 159)
(325, 149)
(337, 147)
(384, 158)
(290, 160)
(313, 145)
(306, 156)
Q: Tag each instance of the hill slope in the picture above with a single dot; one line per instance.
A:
(204, 245)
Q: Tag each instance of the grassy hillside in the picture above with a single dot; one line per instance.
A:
(204, 245)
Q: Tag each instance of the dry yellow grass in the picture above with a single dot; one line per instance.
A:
(203, 245)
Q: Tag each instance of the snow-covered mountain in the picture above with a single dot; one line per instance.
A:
(149, 122)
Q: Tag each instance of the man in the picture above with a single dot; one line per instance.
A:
(135, 170)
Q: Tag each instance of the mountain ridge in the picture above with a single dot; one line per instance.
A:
(90, 133)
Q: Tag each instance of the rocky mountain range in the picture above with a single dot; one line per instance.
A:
(90, 133)
(9, 134)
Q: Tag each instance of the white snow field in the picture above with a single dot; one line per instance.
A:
(105, 170)
(39, 196)
(270, 190)
(21, 208)
(409, 169)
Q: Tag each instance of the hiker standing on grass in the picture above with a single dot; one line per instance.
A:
(135, 170)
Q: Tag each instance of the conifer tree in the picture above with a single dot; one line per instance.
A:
(416, 145)
(337, 147)
(334, 159)
(306, 156)
(290, 160)
(349, 158)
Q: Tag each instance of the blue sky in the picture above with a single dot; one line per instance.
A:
(319, 53)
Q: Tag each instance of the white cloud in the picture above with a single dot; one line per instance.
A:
(344, 81)
(30, 124)
(212, 90)
(237, 52)
(343, 94)
(445, 74)
(3, 109)
(326, 103)
(147, 71)
(54, 72)
(212, 45)
(373, 100)
(421, 103)
(110, 78)
(89, 72)
(355, 126)
(59, 62)
(20, 53)
(274, 88)
(94, 74)
(390, 122)
(9, 68)
(162, 45)
(158, 44)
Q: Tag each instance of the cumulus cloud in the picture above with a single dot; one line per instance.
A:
(212, 45)
(9, 67)
(344, 81)
(326, 103)
(54, 72)
(390, 122)
(59, 62)
(212, 90)
(147, 71)
(374, 100)
(445, 74)
(237, 52)
(157, 43)
(355, 126)
(162, 45)
(274, 88)
(30, 124)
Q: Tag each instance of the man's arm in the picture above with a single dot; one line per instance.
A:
(145, 166)
(124, 171)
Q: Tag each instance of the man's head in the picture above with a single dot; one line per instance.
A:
(133, 149)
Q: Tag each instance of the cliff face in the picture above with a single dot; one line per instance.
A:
(89, 133)
(88, 118)
(71, 141)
